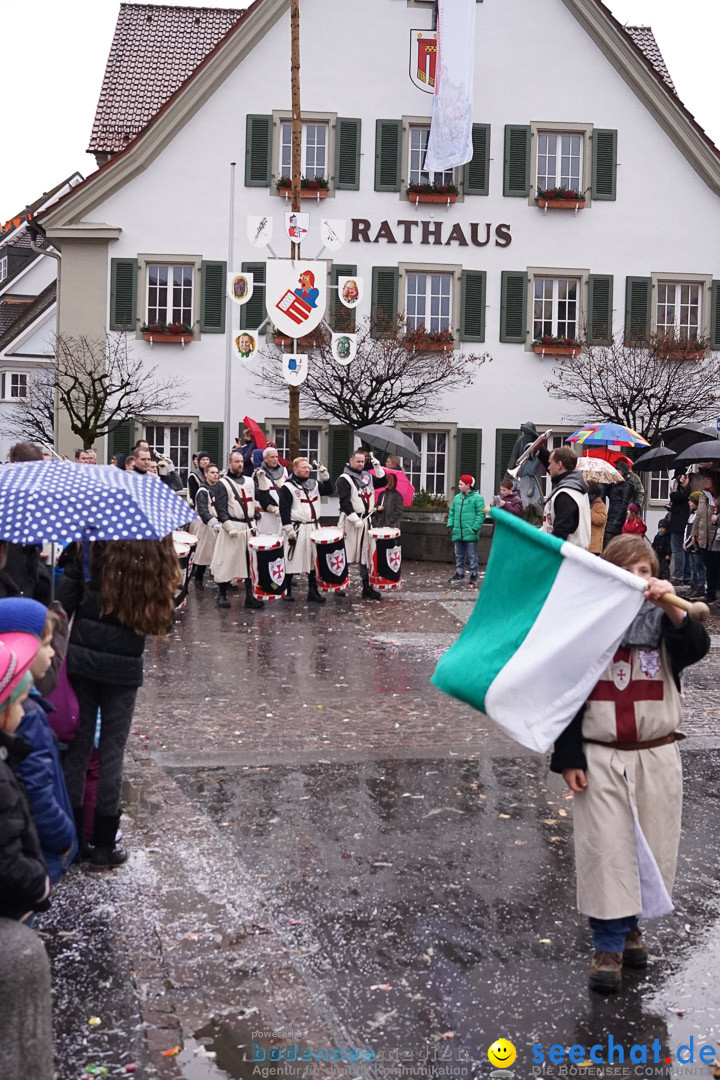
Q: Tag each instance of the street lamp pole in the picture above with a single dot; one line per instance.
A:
(294, 402)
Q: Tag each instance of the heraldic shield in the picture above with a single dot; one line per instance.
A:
(295, 295)
(423, 59)
(331, 569)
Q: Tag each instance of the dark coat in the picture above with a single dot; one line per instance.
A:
(101, 648)
(679, 509)
(28, 573)
(393, 506)
(618, 496)
(45, 786)
(24, 882)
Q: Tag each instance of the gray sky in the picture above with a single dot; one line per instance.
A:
(55, 53)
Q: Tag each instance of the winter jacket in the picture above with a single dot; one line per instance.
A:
(466, 516)
(598, 518)
(637, 527)
(24, 881)
(662, 546)
(703, 529)
(392, 503)
(565, 511)
(638, 489)
(619, 495)
(101, 648)
(679, 509)
(513, 504)
(45, 786)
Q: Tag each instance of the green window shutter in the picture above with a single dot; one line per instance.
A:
(340, 444)
(123, 294)
(638, 302)
(468, 454)
(600, 309)
(715, 316)
(604, 164)
(210, 438)
(121, 440)
(472, 305)
(258, 150)
(213, 279)
(384, 307)
(388, 153)
(513, 307)
(347, 154)
(477, 171)
(517, 160)
(252, 314)
(343, 319)
(505, 439)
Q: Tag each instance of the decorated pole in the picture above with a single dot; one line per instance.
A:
(294, 403)
(227, 438)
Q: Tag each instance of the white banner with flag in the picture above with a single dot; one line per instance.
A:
(450, 141)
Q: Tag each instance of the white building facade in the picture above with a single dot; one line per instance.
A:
(564, 96)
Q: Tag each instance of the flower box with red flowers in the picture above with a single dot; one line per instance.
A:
(560, 198)
(429, 340)
(556, 346)
(432, 193)
(316, 188)
(167, 333)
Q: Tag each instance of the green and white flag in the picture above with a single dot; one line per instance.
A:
(546, 624)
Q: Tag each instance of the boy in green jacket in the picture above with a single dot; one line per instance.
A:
(465, 519)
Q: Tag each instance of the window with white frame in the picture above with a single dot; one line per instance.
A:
(172, 440)
(416, 166)
(556, 308)
(169, 294)
(428, 301)
(14, 385)
(309, 443)
(678, 310)
(659, 487)
(314, 152)
(430, 472)
(560, 160)
(3, 267)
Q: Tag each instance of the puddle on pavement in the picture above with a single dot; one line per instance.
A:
(224, 1050)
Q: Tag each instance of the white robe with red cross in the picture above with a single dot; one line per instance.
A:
(627, 822)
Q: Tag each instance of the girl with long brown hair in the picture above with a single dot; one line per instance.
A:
(129, 596)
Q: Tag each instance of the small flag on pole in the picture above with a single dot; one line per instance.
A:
(546, 624)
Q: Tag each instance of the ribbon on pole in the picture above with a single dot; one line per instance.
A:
(450, 141)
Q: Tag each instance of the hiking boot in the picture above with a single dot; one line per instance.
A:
(696, 592)
(368, 593)
(252, 602)
(222, 600)
(457, 577)
(606, 972)
(635, 955)
(473, 579)
(105, 853)
(314, 595)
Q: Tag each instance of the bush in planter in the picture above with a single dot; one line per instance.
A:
(316, 184)
(560, 193)
(549, 342)
(433, 189)
(415, 339)
(429, 500)
(166, 328)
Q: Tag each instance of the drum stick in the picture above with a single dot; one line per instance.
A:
(695, 608)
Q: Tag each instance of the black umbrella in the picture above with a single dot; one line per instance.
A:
(702, 451)
(656, 460)
(390, 440)
(683, 435)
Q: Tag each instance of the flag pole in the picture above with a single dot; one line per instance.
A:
(294, 402)
(227, 443)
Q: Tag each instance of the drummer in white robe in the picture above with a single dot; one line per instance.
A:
(300, 516)
(356, 492)
(235, 506)
(207, 527)
(269, 478)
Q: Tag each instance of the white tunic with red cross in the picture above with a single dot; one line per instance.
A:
(627, 822)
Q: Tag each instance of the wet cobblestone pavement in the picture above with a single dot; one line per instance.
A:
(322, 842)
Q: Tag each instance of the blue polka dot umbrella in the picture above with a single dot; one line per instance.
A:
(60, 501)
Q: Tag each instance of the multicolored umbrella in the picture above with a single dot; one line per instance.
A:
(594, 468)
(607, 435)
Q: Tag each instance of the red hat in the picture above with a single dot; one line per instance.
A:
(17, 652)
(466, 478)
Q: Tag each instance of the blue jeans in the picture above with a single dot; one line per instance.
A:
(678, 555)
(463, 548)
(609, 934)
(696, 567)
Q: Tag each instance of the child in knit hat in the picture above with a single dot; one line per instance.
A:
(633, 522)
(465, 520)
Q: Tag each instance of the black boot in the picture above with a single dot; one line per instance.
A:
(314, 595)
(84, 847)
(104, 854)
(198, 576)
(222, 596)
(288, 589)
(250, 600)
(368, 593)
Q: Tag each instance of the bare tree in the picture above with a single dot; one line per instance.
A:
(389, 380)
(649, 386)
(98, 384)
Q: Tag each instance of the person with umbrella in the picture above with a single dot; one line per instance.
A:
(356, 492)
(619, 495)
(679, 514)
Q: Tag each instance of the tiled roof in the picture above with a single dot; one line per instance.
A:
(645, 41)
(29, 313)
(10, 312)
(154, 50)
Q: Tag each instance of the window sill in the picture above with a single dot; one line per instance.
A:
(561, 204)
(168, 339)
(431, 197)
(556, 350)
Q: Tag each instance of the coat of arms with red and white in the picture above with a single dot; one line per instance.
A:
(336, 562)
(295, 295)
(277, 571)
(423, 59)
(394, 558)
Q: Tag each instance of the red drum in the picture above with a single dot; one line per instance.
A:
(331, 569)
(184, 544)
(385, 558)
(267, 566)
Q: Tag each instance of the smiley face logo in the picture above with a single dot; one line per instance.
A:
(502, 1054)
